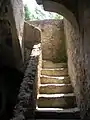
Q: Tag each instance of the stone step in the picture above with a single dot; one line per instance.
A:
(55, 88)
(55, 72)
(50, 64)
(54, 80)
(56, 119)
(57, 101)
(59, 110)
(57, 113)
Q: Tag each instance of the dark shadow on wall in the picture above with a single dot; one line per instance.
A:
(6, 45)
(10, 80)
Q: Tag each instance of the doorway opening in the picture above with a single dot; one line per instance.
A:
(55, 91)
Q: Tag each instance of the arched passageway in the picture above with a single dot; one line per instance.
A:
(77, 39)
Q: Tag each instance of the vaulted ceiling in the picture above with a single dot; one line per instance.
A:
(70, 4)
(67, 8)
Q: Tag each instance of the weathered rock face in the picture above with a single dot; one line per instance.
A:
(11, 62)
(25, 108)
(18, 13)
(79, 58)
(6, 53)
(11, 33)
(74, 57)
(32, 36)
(53, 39)
(26, 103)
(10, 80)
(77, 35)
(84, 20)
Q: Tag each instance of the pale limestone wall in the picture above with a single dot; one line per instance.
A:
(53, 39)
(74, 57)
(32, 36)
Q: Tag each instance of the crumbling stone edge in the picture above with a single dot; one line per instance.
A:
(25, 106)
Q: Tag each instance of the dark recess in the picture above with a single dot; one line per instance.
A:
(11, 80)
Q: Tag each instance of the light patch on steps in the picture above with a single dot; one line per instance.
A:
(55, 72)
(55, 95)
(45, 85)
(36, 50)
(59, 110)
(53, 69)
(60, 78)
(45, 79)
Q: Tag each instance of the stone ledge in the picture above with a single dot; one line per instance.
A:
(26, 103)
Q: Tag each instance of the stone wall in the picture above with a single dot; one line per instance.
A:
(84, 20)
(26, 105)
(78, 42)
(74, 57)
(53, 39)
(77, 12)
(11, 60)
(32, 36)
(11, 33)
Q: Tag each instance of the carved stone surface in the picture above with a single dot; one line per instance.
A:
(32, 36)
(11, 33)
(78, 42)
(53, 39)
(25, 107)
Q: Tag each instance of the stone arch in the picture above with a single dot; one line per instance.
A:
(75, 54)
(60, 9)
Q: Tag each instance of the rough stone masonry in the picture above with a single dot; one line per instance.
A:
(53, 39)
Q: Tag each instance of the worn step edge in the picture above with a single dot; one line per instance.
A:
(55, 95)
(55, 77)
(50, 64)
(45, 85)
(52, 61)
(59, 110)
(55, 72)
(54, 69)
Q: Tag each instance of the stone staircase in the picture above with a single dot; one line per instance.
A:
(56, 98)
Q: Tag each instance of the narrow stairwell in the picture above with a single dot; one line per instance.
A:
(56, 99)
